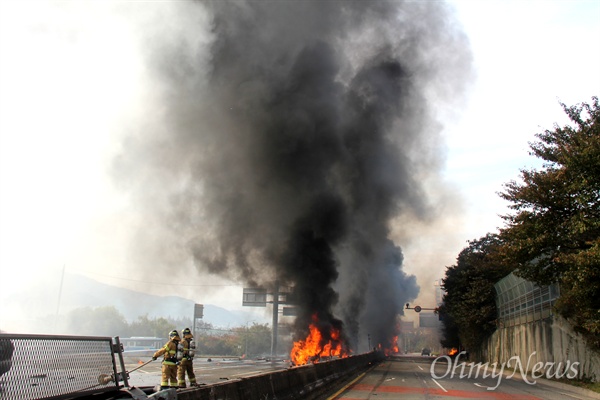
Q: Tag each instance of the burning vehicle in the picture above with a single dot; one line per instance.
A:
(317, 347)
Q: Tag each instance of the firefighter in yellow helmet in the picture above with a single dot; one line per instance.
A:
(170, 361)
(187, 362)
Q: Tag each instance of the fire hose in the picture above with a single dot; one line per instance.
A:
(104, 379)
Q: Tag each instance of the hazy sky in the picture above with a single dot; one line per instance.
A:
(72, 79)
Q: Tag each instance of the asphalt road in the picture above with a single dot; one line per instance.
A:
(411, 377)
(406, 377)
(215, 371)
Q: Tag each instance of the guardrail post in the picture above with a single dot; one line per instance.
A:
(118, 348)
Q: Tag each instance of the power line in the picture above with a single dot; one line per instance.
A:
(165, 283)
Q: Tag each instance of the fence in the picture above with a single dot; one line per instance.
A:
(52, 367)
(520, 301)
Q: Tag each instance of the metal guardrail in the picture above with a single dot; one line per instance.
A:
(520, 301)
(55, 367)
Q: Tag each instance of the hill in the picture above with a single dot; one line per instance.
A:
(86, 292)
(44, 302)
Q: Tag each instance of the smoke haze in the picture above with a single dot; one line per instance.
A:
(285, 139)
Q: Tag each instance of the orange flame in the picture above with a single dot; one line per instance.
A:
(391, 348)
(453, 351)
(394, 348)
(312, 348)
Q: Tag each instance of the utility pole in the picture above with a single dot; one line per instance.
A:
(60, 288)
(198, 314)
(275, 319)
(257, 297)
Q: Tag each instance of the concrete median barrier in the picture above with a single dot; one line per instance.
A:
(294, 383)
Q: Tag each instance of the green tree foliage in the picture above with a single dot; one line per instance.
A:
(553, 235)
(222, 345)
(254, 339)
(245, 340)
(469, 309)
(108, 321)
(157, 327)
(450, 336)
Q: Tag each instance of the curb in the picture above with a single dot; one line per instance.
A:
(559, 385)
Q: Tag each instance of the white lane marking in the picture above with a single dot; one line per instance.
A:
(421, 368)
(221, 367)
(145, 372)
(247, 373)
(437, 383)
(571, 395)
(390, 379)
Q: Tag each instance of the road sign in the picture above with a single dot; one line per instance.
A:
(198, 311)
(254, 297)
(290, 311)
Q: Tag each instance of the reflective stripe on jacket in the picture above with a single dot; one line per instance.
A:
(186, 347)
(170, 352)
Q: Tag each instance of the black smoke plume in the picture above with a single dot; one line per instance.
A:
(289, 138)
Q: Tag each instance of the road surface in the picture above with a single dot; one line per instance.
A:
(410, 377)
(216, 371)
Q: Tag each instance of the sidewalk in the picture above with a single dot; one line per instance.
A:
(557, 385)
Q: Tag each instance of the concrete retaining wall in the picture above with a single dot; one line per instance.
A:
(293, 383)
(552, 340)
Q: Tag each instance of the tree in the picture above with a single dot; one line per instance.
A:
(158, 327)
(255, 339)
(450, 335)
(222, 345)
(469, 307)
(553, 235)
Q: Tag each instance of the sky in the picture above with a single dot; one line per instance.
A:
(72, 79)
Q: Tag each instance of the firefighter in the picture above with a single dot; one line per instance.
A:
(170, 361)
(187, 363)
